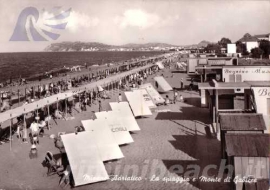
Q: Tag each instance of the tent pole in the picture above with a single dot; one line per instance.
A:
(25, 94)
(48, 117)
(66, 106)
(10, 131)
(24, 126)
(19, 97)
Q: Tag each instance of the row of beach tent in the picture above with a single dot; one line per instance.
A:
(104, 135)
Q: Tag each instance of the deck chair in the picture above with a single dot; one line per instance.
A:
(53, 168)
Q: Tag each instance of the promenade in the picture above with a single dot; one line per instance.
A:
(13, 113)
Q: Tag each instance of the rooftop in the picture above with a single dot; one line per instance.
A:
(249, 38)
(247, 145)
(223, 85)
(262, 35)
(242, 122)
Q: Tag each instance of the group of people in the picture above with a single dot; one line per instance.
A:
(176, 98)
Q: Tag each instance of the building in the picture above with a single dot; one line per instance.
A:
(253, 41)
(203, 62)
(231, 48)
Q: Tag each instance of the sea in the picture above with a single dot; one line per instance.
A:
(24, 65)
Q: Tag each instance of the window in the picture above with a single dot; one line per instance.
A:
(232, 78)
(238, 78)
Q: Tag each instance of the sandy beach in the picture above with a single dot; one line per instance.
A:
(175, 135)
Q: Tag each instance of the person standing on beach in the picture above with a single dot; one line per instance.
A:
(182, 83)
(99, 106)
(120, 97)
(175, 94)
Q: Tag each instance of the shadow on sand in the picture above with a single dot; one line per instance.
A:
(202, 153)
(193, 101)
(187, 113)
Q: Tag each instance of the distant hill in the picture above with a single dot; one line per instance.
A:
(148, 45)
(76, 46)
(92, 46)
(204, 43)
(96, 46)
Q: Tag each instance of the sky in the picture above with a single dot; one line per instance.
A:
(118, 22)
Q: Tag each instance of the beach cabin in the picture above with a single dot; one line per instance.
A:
(262, 100)
(191, 66)
(238, 123)
(249, 154)
(162, 85)
(232, 73)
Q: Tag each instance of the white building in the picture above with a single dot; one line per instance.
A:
(231, 48)
(253, 41)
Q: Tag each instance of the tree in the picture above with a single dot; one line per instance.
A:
(212, 48)
(256, 52)
(265, 46)
(241, 48)
(224, 41)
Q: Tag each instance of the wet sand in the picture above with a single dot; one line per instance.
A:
(176, 138)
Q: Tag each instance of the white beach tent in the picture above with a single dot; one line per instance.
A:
(123, 107)
(107, 145)
(160, 65)
(137, 104)
(120, 133)
(162, 85)
(127, 121)
(146, 97)
(155, 96)
(84, 158)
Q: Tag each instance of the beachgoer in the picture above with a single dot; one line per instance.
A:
(65, 179)
(182, 83)
(41, 125)
(120, 97)
(5, 106)
(167, 100)
(34, 128)
(99, 106)
(191, 84)
(181, 99)
(175, 94)
(26, 102)
(58, 114)
(33, 152)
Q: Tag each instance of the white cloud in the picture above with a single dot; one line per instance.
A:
(77, 21)
(137, 18)
(143, 20)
